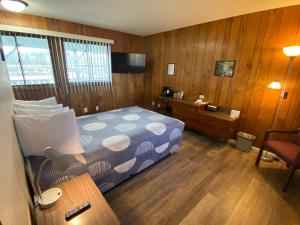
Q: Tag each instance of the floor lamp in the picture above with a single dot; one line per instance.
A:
(292, 52)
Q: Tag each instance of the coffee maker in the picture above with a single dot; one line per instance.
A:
(167, 92)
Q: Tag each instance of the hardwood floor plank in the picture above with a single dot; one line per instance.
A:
(208, 183)
(199, 215)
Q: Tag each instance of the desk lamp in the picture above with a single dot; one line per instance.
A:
(61, 162)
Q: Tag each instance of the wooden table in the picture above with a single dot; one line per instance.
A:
(75, 192)
(218, 125)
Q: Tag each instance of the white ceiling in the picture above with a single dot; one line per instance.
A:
(145, 17)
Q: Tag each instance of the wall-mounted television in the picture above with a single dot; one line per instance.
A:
(123, 62)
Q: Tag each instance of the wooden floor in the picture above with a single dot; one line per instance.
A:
(208, 183)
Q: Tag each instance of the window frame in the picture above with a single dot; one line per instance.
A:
(34, 85)
(82, 83)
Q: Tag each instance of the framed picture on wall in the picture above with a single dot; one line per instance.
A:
(224, 68)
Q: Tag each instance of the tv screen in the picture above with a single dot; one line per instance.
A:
(122, 62)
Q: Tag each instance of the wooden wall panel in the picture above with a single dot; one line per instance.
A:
(255, 41)
(127, 89)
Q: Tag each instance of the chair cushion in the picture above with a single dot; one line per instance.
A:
(285, 150)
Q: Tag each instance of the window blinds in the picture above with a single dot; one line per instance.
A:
(28, 63)
(88, 63)
(56, 65)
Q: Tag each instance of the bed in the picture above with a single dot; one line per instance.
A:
(118, 144)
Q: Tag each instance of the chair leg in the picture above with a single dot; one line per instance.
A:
(259, 156)
(289, 178)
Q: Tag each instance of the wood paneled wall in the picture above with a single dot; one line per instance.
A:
(255, 41)
(127, 90)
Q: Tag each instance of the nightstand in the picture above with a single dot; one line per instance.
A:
(75, 192)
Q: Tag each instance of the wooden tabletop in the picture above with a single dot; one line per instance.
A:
(75, 192)
(218, 115)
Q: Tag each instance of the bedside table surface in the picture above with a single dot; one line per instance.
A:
(75, 192)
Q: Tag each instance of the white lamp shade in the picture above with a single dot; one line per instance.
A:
(14, 5)
(275, 85)
(292, 51)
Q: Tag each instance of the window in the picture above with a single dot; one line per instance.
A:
(54, 62)
(28, 60)
(87, 62)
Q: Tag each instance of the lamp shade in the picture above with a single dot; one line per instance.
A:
(292, 51)
(275, 85)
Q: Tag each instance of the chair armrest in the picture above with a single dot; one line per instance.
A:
(298, 159)
(284, 131)
(270, 131)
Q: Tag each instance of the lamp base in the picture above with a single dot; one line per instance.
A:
(269, 157)
(49, 198)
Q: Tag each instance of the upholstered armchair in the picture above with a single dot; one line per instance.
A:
(287, 151)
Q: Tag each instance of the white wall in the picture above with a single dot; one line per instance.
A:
(14, 197)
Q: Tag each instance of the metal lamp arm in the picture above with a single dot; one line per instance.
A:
(278, 108)
(38, 176)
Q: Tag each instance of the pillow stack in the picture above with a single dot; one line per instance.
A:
(47, 101)
(45, 123)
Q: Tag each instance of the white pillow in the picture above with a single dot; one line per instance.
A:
(58, 130)
(38, 107)
(38, 111)
(47, 101)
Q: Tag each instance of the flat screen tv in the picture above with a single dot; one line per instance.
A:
(122, 62)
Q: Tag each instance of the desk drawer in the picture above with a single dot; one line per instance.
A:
(179, 107)
(215, 122)
(203, 119)
(205, 128)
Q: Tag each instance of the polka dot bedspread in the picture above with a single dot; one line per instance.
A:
(118, 144)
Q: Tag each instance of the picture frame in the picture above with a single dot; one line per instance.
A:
(224, 68)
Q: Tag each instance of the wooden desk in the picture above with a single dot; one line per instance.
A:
(215, 124)
(75, 192)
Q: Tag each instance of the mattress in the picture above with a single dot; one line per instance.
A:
(118, 144)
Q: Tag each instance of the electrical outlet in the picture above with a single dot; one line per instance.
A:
(153, 103)
(285, 95)
(158, 105)
(85, 110)
(97, 108)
